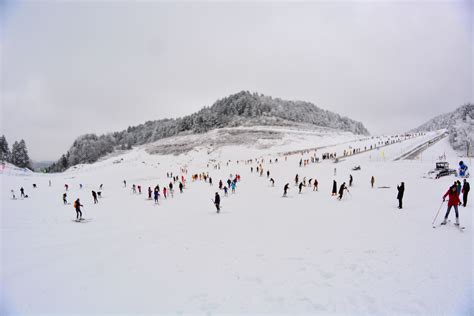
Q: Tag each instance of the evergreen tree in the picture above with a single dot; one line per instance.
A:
(19, 156)
(4, 150)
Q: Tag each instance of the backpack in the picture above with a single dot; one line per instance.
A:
(75, 204)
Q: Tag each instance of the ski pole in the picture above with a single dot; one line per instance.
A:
(439, 209)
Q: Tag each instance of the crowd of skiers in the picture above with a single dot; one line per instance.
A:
(453, 194)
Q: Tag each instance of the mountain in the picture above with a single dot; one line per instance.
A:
(459, 124)
(240, 109)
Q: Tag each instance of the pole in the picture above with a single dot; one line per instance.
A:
(439, 209)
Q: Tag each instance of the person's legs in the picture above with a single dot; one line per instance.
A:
(457, 214)
(447, 214)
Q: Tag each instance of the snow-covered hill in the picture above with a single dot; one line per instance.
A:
(243, 109)
(459, 123)
(307, 253)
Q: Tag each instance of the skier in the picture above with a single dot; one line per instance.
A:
(134, 189)
(100, 187)
(225, 191)
(94, 195)
(80, 186)
(149, 193)
(285, 189)
(65, 198)
(164, 192)
(465, 191)
(268, 173)
(334, 188)
(155, 195)
(66, 187)
(49, 182)
(217, 202)
(210, 181)
(272, 181)
(401, 191)
(77, 206)
(372, 181)
(232, 186)
(300, 187)
(453, 201)
(350, 180)
(181, 186)
(22, 192)
(296, 179)
(34, 186)
(315, 185)
(170, 186)
(341, 190)
(139, 189)
(124, 183)
(220, 184)
(462, 169)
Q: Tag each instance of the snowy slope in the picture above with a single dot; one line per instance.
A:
(459, 123)
(304, 254)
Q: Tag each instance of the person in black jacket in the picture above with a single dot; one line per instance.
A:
(334, 188)
(401, 191)
(217, 202)
(465, 191)
(94, 195)
(341, 190)
(285, 189)
(77, 206)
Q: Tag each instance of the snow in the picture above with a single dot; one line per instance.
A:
(304, 254)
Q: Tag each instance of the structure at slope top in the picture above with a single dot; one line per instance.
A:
(240, 109)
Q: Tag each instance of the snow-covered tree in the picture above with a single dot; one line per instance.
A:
(19, 156)
(4, 149)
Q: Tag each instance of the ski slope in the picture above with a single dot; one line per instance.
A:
(304, 254)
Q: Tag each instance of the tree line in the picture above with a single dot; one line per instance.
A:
(18, 156)
(243, 108)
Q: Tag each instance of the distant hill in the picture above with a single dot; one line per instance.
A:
(459, 123)
(240, 109)
(38, 165)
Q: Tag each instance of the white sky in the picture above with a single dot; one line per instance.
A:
(69, 68)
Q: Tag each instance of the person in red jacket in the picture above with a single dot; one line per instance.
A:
(453, 201)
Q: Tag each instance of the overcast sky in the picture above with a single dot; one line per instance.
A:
(69, 68)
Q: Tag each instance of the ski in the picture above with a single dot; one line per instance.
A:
(461, 228)
(441, 224)
(82, 220)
